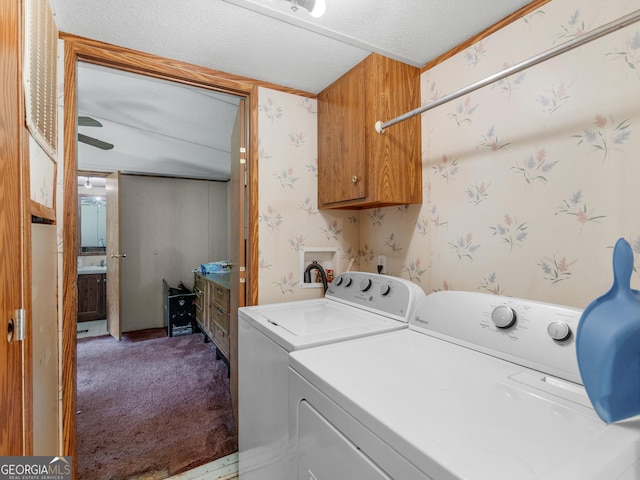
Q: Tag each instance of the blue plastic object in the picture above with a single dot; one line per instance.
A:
(214, 267)
(608, 344)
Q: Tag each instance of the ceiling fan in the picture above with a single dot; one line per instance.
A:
(94, 142)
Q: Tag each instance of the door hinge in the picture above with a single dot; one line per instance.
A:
(20, 327)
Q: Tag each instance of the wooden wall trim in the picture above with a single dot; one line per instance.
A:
(69, 263)
(96, 52)
(252, 248)
(518, 14)
(41, 211)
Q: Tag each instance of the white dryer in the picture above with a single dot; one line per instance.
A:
(357, 304)
(479, 387)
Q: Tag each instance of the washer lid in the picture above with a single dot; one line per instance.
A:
(457, 413)
(307, 323)
(316, 319)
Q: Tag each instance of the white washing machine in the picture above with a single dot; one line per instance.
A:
(357, 304)
(479, 387)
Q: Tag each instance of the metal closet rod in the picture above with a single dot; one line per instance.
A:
(565, 47)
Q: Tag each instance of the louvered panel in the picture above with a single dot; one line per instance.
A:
(41, 37)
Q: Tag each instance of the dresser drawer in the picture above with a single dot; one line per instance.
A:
(221, 297)
(199, 289)
(221, 339)
(221, 317)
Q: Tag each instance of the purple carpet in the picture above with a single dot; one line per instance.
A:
(151, 403)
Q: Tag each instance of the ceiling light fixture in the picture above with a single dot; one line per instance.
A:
(88, 183)
(315, 7)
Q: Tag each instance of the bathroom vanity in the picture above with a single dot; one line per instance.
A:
(92, 293)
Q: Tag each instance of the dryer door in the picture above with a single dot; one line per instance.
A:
(324, 453)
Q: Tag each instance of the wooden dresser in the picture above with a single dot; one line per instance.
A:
(212, 309)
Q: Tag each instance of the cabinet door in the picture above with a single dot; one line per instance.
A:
(103, 296)
(358, 167)
(341, 139)
(90, 297)
(394, 158)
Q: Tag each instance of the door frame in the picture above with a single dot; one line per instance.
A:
(16, 208)
(81, 49)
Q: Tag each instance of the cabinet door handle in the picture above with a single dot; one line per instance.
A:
(354, 179)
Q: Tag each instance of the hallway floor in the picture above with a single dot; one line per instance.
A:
(222, 469)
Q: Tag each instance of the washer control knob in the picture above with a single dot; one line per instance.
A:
(339, 280)
(503, 316)
(348, 282)
(559, 331)
(365, 284)
(385, 289)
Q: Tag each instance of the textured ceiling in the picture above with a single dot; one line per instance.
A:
(265, 40)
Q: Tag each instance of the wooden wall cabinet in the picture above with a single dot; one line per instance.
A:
(92, 296)
(358, 167)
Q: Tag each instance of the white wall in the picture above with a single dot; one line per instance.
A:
(168, 227)
(44, 333)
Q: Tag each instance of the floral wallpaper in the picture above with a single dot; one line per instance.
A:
(289, 219)
(528, 182)
(42, 172)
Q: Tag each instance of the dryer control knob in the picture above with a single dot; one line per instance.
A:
(348, 282)
(503, 316)
(385, 290)
(559, 331)
(339, 281)
(365, 284)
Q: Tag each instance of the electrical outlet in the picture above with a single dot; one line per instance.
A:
(382, 264)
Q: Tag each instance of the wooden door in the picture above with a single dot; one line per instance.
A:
(12, 419)
(341, 139)
(114, 257)
(238, 238)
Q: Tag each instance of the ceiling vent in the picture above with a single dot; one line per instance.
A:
(41, 37)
